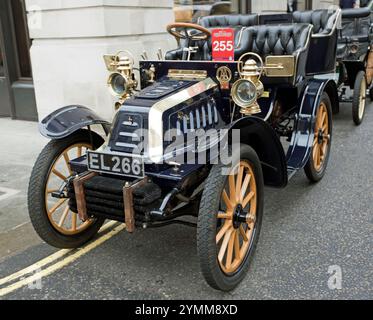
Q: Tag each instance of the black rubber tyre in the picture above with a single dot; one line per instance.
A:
(208, 221)
(312, 173)
(358, 106)
(36, 193)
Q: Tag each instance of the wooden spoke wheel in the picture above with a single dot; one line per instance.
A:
(359, 98)
(229, 220)
(59, 214)
(48, 201)
(321, 140)
(237, 219)
(320, 151)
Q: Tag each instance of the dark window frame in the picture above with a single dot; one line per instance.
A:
(19, 76)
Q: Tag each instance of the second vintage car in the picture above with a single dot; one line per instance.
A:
(201, 138)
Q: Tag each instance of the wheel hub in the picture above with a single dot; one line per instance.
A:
(239, 216)
(320, 137)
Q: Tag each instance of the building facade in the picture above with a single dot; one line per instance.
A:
(53, 57)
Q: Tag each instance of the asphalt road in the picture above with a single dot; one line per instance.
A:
(306, 230)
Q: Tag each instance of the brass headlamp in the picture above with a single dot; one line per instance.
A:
(247, 90)
(122, 81)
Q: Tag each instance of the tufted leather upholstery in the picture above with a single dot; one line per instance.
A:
(235, 21)
(290, 39)
(274, 40)
(322, 20)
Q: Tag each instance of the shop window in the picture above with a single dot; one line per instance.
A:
(191, 10)
(21, 38)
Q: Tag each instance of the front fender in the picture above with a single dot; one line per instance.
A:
(256, 133)
(68, 120)
(303, 136)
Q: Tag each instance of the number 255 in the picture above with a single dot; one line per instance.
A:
(223, 45)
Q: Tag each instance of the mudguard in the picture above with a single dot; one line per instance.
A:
(353, 68)
(303, 136)
(68, 120)
(258, 134)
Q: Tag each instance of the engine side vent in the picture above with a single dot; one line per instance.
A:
(202, 117)
(128, 134)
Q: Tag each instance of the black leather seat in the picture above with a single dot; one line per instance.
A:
(356, 25)
(235, 21)
(323, 21)
(323, 47)
(232, 20)
(290, 39)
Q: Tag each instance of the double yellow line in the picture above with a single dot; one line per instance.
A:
(56, 261)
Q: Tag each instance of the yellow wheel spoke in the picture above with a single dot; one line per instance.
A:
(232, 189)
(227, 200)
(247, 200)
(67, 160)
(243, 234)
(223, 215)
(73, 222)
(229, 259)
(239, 183)
(225, 243)
(222, 232)
(233, 244)
(245, 186)
(80, 151)
(64, 216)
(56, 206)
(237, 248)
(59, 174)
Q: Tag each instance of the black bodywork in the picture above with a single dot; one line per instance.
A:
(354, 44)
(283, 142)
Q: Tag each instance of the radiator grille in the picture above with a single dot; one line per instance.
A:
(129, 133)
(203, 117)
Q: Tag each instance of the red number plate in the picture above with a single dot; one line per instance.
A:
(223, 44)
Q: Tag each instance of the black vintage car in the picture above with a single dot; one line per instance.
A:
(201, 138)
(355, 58)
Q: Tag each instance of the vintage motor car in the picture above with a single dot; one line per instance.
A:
(267, 111)
(355, 59)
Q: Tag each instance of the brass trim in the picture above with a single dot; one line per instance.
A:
(179, 74)
(224, 76)
(280, 66)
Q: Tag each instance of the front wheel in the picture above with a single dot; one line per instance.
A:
(320, 152)
(229, 221)
(359, 98)
(51, 217)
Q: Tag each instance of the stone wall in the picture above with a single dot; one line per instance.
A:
(70, 37)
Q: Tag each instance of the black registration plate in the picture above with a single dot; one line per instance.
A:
(128, 166)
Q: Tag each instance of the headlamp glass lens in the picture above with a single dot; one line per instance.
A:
(118, 84)
(246, 92)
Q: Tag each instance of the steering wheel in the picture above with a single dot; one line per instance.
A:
(188, 31)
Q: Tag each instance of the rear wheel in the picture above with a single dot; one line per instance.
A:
(229, 221)
(51, 217)
(318, 162)
(359, 98)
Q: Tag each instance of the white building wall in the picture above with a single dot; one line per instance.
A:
(268, 6)
(70, 37)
